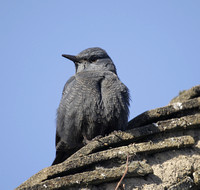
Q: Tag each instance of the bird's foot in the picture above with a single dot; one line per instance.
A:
(86, 141)
(97, 138)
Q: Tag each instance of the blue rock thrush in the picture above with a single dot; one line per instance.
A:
(94, 102)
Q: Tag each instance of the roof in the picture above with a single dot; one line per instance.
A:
(160, 150)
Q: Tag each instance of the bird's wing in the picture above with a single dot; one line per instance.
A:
(115, 97)
(62, 149)
(61, 111)
(68, 85)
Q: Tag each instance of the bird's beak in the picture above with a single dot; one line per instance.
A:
(71, 57)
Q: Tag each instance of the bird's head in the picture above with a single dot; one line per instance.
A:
(92, 59)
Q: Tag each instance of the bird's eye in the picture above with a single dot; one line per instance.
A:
(92, 59)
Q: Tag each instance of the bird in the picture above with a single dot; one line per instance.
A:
(94, 103)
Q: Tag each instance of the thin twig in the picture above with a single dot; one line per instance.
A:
(125, 172)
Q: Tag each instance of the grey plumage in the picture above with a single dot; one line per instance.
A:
(94, 102)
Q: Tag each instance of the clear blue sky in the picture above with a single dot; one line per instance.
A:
(155, 46)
